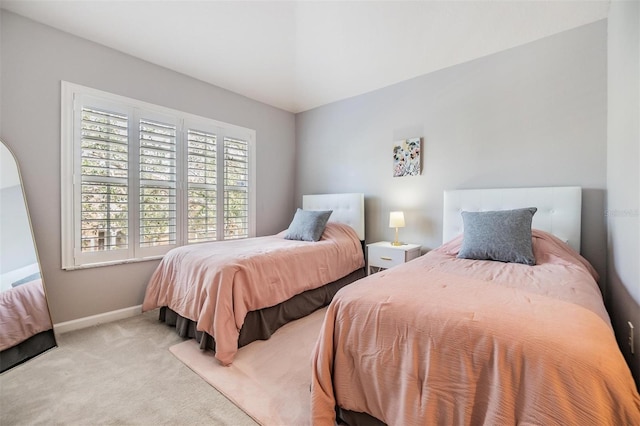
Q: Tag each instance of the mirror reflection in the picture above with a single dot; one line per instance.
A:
(26, 329)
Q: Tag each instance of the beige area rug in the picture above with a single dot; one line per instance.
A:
(269, 379)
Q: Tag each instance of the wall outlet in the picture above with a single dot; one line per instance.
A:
(631, 330)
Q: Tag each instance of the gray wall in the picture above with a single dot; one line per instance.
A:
(534, 115)
(35, 58)
(623, 178)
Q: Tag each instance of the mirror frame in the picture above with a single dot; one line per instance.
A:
(24, 309)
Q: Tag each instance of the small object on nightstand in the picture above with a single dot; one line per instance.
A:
(384, 255)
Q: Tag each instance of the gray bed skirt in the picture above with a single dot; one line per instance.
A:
(261, 324)
(24, 351)
(354, 418)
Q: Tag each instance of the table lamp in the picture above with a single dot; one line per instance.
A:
(396, 220)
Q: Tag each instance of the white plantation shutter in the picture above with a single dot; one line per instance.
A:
(157, 161)
(201, 186)
(139, 179)
(104, 180)
(236, 188)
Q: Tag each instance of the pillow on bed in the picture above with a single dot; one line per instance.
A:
(308, 225)
(503, 235)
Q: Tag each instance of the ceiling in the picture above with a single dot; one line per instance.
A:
(297, 55)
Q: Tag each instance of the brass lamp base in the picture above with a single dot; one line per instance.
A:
(396, 242)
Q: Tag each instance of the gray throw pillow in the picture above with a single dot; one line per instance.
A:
(307, 225)
(503, 235)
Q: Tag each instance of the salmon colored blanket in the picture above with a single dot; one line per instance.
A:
(441, 340)
(217, 284)
(23, 313)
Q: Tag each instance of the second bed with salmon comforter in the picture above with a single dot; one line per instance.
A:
(448, 339)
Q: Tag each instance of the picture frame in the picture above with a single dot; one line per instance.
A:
(406, 157)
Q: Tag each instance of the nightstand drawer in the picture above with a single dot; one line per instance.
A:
(384, 257)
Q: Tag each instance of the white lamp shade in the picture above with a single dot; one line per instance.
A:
(396, 220)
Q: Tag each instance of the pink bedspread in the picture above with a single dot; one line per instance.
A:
(441, 340)
(217, 284)
(23, 313)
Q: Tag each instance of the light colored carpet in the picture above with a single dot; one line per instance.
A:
(120, 373)
(268, 379)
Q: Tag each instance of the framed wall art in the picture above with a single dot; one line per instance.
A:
(406, 157)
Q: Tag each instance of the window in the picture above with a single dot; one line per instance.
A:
(140, 179)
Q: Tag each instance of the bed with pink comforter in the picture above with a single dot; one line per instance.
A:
(217, 284)
(23, 313)
(442, 340)
(25, 324)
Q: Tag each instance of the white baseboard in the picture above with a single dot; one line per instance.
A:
(77, 324)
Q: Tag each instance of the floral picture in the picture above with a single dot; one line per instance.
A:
(406, 157)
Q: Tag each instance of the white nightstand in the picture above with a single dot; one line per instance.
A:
(384, 255)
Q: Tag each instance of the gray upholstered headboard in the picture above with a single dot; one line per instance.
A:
(347, 208)
(559, 209)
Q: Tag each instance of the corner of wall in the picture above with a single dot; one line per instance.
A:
(623, 179)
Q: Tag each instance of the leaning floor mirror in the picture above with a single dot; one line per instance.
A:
(26, 329)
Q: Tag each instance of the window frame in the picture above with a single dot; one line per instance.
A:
(73, 97)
